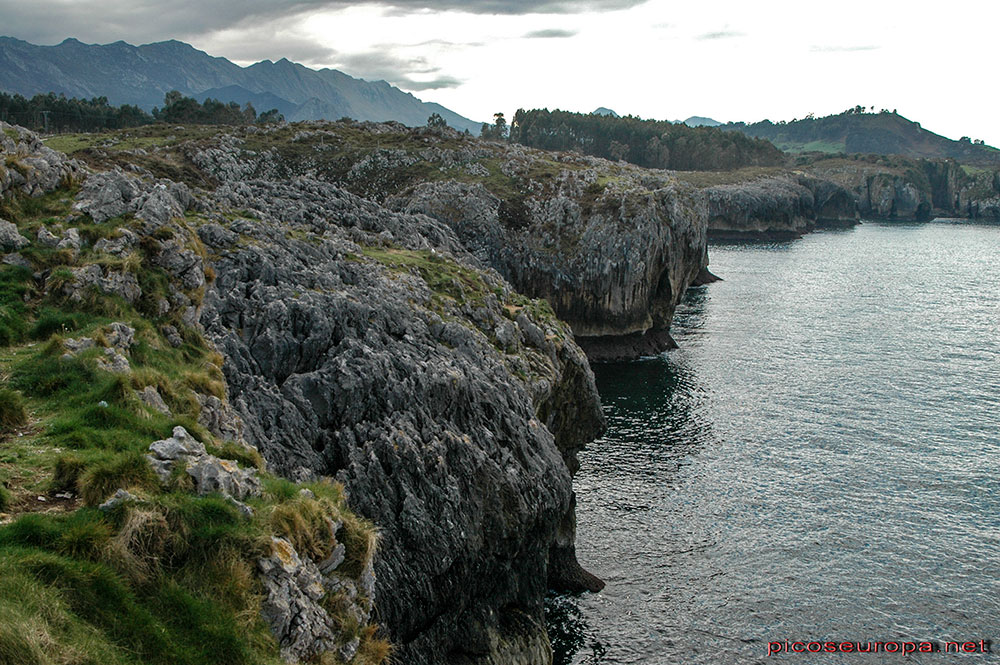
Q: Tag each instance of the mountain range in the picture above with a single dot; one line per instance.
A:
(142, 75)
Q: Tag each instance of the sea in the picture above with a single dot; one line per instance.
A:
(817, 464)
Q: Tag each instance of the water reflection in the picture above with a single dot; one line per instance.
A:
(571, 635)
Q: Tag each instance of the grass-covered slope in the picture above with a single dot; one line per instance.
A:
(856, 131)
(166, 576)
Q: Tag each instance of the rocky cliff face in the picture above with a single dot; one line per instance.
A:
(912, 189)
(614, 268)
(369, 345)
(366, 345)
(784, 206)
(612, 247)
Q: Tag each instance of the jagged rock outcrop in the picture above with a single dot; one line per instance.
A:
(614, 268)
(383, 348)
(612, 247)
(367, 345)
(30, 167)
(897, 188)
(209, 474)
(113, 193)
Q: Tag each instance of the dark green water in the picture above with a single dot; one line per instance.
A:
(820, 460)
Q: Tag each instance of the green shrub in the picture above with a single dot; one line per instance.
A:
(12, 411)
(280, 489)
(66, 475)
(54, 321)
(5, 498)
(45, 375)
(86, 538)
(247, 457)
(130, 470)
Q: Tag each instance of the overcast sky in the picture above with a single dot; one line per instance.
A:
(727, 59)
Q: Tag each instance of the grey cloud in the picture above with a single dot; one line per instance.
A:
(433, 84)
(552, 33)
(50, 21)
(269, 42)
(721, 34)
(406, 73)
(842, 49)
(384, 64)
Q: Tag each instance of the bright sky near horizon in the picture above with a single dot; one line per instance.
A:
(663, 59)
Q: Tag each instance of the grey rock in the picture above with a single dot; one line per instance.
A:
(70, 240)
(10, 238)
(32, 168)
(162, 468)
(120, 245)
(214, 475)
(293, 587)
(189, 317)
(47, 239)
(338, 554)
(16, 260)
(120, 496)
(348, 651)
(341, 367)
(121, 336)
(182, 263)
(218, 418)
(180, 445)
(75, 346)
(216, 236)
(648, 231)
(173, 336)
(159, 206)
(246, 511)
(114, 362)
(106, 195)
(117, 283)
(151, 397)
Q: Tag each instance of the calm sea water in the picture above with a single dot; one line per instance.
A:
(820, 460)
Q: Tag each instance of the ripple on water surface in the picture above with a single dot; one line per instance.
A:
(817, 462)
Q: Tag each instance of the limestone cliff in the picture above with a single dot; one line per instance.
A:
(370, 346)
(366, 345)
(612, 247)
(778, 206)
(892, 188)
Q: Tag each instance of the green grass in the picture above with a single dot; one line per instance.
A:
(443, 276)
(830, 147)
(12, 411)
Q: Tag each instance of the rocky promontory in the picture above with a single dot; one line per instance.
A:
(360, 328)
(899, 188)
(778, 207)
(610, 246)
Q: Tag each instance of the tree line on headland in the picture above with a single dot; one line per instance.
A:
(654, 144)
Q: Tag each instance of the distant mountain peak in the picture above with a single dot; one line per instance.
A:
(604, 111)
(701, 121)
